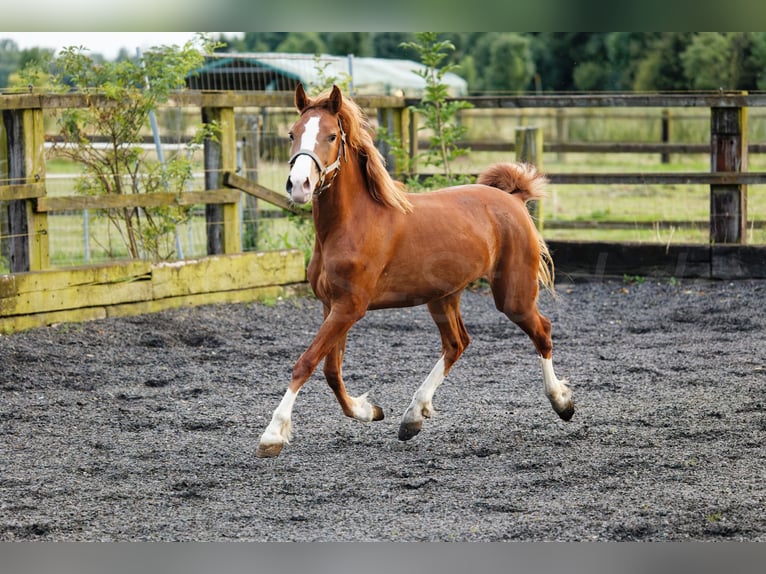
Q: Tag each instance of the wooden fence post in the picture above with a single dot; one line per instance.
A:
(249, 128)
(562, 131)
(27, 229)
(728, 152)
(223, 231)
(529, 149)
(400, 125)
(665, 135)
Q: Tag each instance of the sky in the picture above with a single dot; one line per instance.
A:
(106, 43)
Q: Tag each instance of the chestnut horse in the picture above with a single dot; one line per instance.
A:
(379, 247)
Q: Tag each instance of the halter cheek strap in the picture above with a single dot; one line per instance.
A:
(333, 168)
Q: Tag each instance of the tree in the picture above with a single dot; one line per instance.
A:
(746, 66)
(393, 45)
(593, 71)
(590, 76)
(344, 43)
(262, 41)
(439, 116)
(556, 54)
(510, 63)
(706, 62)
(759, 54)
(132, 89)
(661, 68)
(302, 43)
(625, 52)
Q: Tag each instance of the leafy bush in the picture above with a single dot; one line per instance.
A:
(132, 90)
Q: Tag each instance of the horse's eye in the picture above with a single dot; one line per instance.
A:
(332, 138)
(290, 136)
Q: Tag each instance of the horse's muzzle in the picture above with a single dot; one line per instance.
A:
(300, 191)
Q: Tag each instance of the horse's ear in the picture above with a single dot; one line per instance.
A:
(301, 99)
(336, 100)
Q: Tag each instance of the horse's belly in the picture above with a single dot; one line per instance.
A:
(430, 278)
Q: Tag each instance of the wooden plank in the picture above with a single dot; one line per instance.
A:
(655, 178)
(20, 283)
(160, 199)
(598, 147)
(34, 155)
(212, 168)
(284, 99)
(266, 293)
(21, 191)
(738, 262)
(606, 259)
(18, 323)
(614, 100)
(232, 235)
(652, 178)
(77, 297)
(227, 273)
(728, 201)
(529, 149)
(255, 189)
(18, 221)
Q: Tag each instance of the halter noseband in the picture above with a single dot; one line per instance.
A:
(333, 168)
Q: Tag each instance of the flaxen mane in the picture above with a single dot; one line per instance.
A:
(380, 184)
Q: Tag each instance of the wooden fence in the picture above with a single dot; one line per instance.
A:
(34, 294)
(725, 256)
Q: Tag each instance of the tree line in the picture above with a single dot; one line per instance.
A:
(512, 62)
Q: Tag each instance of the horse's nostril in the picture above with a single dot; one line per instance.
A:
(289, 186)
(307, 186)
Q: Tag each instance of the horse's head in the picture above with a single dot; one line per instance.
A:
(318, 144)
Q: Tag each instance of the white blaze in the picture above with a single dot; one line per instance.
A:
(304, 173)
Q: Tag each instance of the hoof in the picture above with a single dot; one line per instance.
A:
(269, 450)
(377, 413)
(409, 430)
(568, 412)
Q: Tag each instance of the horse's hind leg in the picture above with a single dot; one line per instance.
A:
(517, 298)
(446, 314)
(359, 408)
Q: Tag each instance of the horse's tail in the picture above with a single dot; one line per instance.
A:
(524, 180)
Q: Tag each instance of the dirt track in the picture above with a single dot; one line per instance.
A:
(145, 428)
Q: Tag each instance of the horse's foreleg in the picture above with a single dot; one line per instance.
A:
(359, 408)
(333, 329)
(446, 315)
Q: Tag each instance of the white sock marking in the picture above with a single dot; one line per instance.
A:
(362, 408)
(421, 406)
(279, 430)
(555, 389)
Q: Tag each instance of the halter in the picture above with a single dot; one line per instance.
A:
(333, 168)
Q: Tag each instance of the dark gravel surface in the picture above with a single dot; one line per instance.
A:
(145, 428)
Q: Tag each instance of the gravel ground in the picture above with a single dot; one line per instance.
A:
(145, 428)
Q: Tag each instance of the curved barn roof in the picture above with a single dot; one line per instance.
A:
(267, 71)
